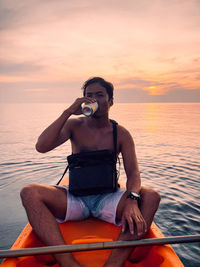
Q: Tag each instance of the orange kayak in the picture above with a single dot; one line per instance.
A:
(89, 231)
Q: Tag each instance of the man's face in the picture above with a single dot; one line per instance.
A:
(99, 93)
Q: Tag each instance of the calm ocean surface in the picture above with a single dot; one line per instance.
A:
(167, 139)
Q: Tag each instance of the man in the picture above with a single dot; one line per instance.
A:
(45, 203)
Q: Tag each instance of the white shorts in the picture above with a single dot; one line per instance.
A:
(102, 206)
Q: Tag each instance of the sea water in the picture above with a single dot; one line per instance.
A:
(166, 136)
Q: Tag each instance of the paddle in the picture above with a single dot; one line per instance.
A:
(98, 246)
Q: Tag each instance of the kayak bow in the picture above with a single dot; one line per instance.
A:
(91, 231)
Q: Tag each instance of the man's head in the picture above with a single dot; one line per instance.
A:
(100, 90)
(107, 85)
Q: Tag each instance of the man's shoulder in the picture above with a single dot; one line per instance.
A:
(73, 124)
(124, 136)
(76, 121)
(122, 130)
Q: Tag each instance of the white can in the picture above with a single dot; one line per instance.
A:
(89, 109)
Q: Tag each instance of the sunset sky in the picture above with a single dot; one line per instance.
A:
(149, 50)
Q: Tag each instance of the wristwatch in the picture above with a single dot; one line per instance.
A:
(133, 195)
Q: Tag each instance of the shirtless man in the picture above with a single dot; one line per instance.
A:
(45, 205)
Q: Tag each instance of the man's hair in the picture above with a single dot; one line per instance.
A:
(107, 85)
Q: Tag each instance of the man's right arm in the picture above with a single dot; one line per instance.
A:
(60, 130)
(54, 135)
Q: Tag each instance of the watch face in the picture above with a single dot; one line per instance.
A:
(135, 194)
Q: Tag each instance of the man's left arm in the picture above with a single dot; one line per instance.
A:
(131, 214)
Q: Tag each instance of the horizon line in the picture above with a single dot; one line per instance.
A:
(117, 102)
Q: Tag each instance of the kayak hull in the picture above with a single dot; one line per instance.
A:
(89, 231)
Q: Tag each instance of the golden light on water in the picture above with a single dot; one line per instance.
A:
(152, 122)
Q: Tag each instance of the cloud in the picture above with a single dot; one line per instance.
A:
(197, 59)
(33, 91)
(10, 67)
(164, 85)
(127, 42)
(138, 96)
(36, 90)
(181, 95)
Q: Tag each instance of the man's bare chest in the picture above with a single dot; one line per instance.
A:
(90, 140)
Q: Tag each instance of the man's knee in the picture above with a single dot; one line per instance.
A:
(150, 196)
(29, 193)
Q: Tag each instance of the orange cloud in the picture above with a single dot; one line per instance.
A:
(125, 86)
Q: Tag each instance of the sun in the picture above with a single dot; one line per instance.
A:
(153, 90)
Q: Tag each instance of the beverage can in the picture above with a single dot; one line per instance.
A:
(89, 109)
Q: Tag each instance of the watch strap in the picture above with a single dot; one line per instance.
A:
(134, 196)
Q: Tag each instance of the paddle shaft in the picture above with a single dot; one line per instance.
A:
(97, 246)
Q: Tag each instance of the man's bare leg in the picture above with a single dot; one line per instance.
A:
(43, 204)
(149, 203)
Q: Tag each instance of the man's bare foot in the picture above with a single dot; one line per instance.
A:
(73, 265)
(77, 265)
(67, 260)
